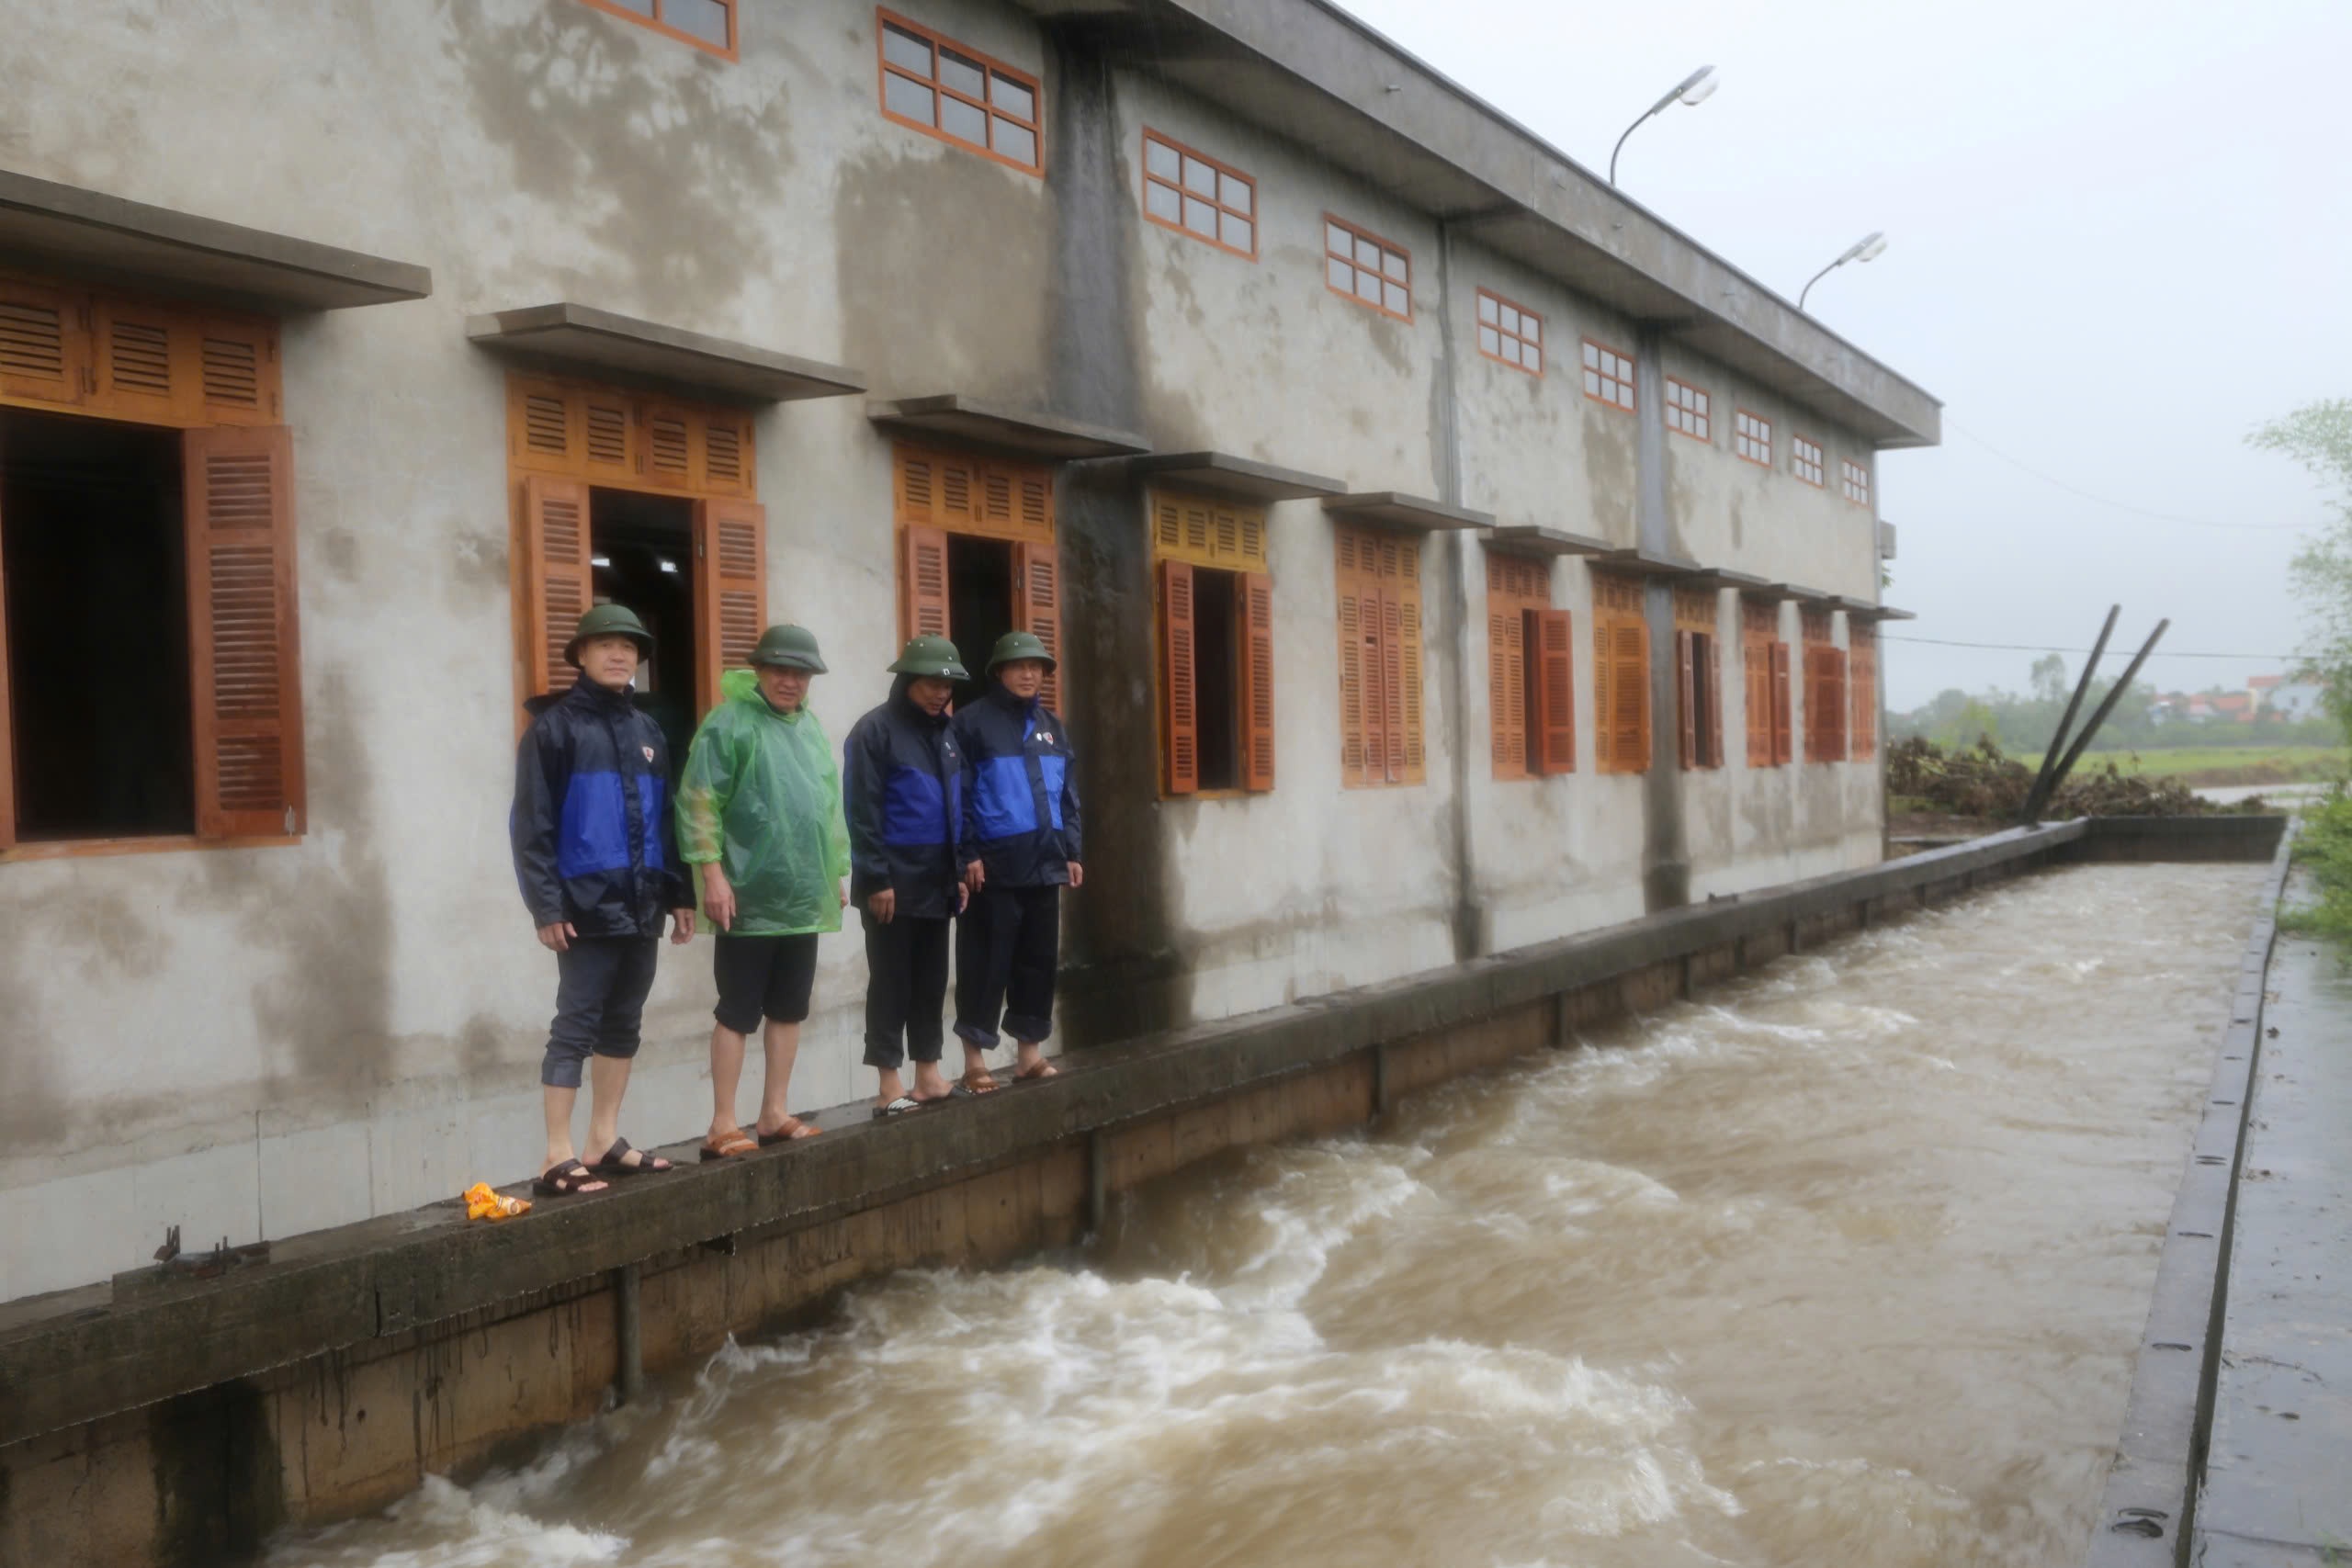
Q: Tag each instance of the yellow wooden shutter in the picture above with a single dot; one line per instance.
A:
(146, 364)
(730, 590)
(245, 664)
(1552, 702)
(44, 346)
(237, 365)
(1037, 607)
(1179, 733)
(559, 581)
(1255, 611)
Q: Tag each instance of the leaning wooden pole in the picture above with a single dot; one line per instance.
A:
(2035, 797)
(2107, 704)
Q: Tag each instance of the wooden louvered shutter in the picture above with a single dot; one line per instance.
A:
(1687, 690)
(1180, 737)
(730, 590)
(1712, 718)
(1552, 705)
(668, 447)
(607, 425)
(7, 726)
(1509, 753)
(1037, 607)
(43, 348)
(1372, 605)
(237, 366)
(1756, 661)
(1862, 672)
(1783, 725)
(1392, 684)
(922, 582)
(1406, 745)
(244, 650)
(1836, 740)
(1604, 697)
(559, 582)
(1256, 613)
(1353, 613)
(1629, 716)
(146, 364)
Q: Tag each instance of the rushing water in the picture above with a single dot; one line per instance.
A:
(1843, 1263)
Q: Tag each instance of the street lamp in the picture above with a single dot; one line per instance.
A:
(1694, 89)
(1867, 248)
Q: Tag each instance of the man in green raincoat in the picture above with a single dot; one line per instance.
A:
(760, 820)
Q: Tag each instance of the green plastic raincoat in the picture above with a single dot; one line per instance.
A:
(761, 796)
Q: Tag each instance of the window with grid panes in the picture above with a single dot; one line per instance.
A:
(1805, 460)
(959, 95)
(1687, 410)
(1196, 195)
(1855, 481)
(1367, 268)
(1608, 375)
(1509, 333)
(706, 24)
(1751, 436)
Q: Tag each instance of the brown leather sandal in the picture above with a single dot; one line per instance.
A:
(792, 1132)
(730, 1143)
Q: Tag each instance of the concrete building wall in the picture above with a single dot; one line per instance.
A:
(257, 1042)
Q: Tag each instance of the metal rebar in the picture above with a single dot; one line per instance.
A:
(2114, 696)
(2039, 795)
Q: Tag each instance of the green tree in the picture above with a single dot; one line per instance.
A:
(2319, 436)
(2050, 678)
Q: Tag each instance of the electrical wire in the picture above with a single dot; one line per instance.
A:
(2111, 653)
(2048, 478)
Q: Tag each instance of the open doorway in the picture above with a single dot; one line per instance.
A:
(642, 550)
(92, 547)
(979, 604)
(1216, 676)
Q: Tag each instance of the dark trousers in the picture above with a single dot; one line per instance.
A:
(600, 986)
(906, 988)
(1007, 942)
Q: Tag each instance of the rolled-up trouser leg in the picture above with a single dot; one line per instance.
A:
(1036, 954)
(984, 935)
(583, 978)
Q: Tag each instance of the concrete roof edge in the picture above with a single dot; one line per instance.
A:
(1921, 424)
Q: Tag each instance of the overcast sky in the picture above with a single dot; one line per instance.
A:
(2120, 237)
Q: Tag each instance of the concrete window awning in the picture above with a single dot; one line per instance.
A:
(1647, 563)
(55, 227)
(1880, 612)
(1047, 437)
(583, 339)
(1527, 539)
(1811, 598)
(1410, 513)
(1746, 583)
(1236, 478)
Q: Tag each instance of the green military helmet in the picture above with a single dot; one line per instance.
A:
(1019, 645)
(608, 620)
(933, 656)
(789, 647)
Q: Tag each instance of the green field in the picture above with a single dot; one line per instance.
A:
(2220, 764)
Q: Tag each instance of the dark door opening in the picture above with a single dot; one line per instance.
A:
(1216, 680)
(979, 604)
(93, 545)
(642, 548)
(1530, 658)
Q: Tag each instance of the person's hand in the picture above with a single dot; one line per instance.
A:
(1077, 875)
(976, 876)
(841, 891)
(883, 904)
(682, 927)
(559, 937)
(718, 897)
(963, 897)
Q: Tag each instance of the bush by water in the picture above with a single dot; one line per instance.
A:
(1982, 781)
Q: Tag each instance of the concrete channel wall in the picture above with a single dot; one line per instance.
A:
(167, 1422)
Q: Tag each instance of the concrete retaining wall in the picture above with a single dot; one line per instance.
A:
(161, 1421)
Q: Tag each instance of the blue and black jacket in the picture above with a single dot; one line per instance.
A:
(594, 842)
(902, 789)
(1021, 818)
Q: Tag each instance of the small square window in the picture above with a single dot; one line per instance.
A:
(1608, 375)
(1366, 267)
(1514, 335)
(957, 93)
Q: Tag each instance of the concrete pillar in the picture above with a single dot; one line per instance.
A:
(1665, 854)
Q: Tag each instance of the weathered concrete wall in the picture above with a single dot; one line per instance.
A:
(264, 1041)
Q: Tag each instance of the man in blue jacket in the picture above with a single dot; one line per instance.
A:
(597, 862)
(903, 786)
(1021, 848)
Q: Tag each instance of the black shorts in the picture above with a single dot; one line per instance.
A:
(762, 976)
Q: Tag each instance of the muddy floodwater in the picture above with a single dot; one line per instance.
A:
(1843, 1263)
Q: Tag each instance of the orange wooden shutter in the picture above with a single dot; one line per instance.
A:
(1863, 670)
(922, 582)
(1604, 693)
(1396, 669)
(1352, 740)
(8, 727)
(237, 364)
(1837, 711)
(245, 662)
(146, 364)
(1713, 716)
(559, 580)
(1510, 744)
(1405, 746)
(730, 590)
(1372, 605)
(1687, 691)
(1257, 704)
(1783, 725)
(1037, 607)
(1630, 712)
(1180, 737)
(44, 347)
(1553, 702)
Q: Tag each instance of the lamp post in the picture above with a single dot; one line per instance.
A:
(1693, 89)
(1867, 248)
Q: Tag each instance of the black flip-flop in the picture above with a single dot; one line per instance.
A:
(616, 1161)
(899, 1106)
(566, 1181)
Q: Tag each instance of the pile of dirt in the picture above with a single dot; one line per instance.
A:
(1983, 783)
